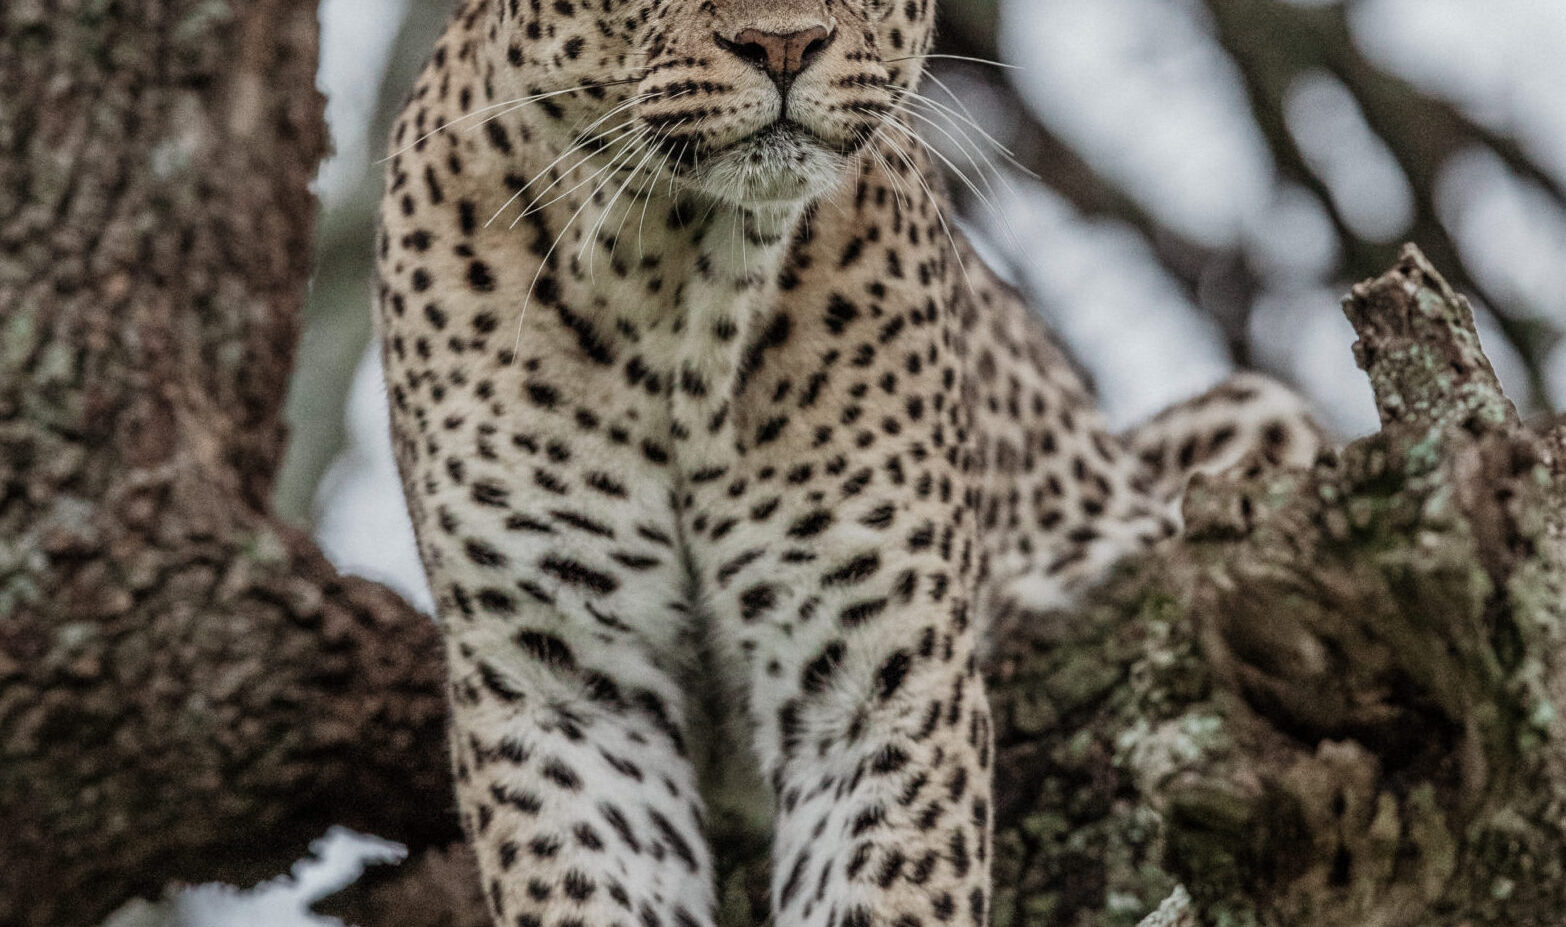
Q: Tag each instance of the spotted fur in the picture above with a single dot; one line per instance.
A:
(722, 449)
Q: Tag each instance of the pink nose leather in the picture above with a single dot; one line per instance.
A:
(784, 56)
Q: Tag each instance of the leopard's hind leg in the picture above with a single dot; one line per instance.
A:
(1247, 414)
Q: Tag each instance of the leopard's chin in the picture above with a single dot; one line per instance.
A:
(779, 166)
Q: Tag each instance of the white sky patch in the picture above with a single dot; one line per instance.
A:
(1509, 232)
(1502, 61)
(336, 860)
(1508, 364)
(1295, 241)
(1367, 185)
(1303, 332)
(356, 38)
(1144, 92)
(1127, 321)
(363, 524)
(1555, 373)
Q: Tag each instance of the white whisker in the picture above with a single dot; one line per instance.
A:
(646, 193)
(515, 105)
(987, 199)
(674, 174)
(949, 113)
(930, 196)
(534, 206)
(648, 143)
(560, 236)
(603, 140)
(627, 141)
(963, 145)
(967, 58)
(892, 179)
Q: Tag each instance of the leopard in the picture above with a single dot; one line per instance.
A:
(727, 456)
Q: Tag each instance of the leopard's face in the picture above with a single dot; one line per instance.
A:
(753, 102)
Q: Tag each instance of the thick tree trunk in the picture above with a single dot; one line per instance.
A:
(187, 689)
(1338, 702)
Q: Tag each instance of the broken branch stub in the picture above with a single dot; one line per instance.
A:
(1420, 348)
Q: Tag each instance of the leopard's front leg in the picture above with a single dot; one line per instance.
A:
(884, 787)
(552, 549)
(870, 718)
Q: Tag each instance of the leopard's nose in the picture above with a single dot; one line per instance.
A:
(783, 56)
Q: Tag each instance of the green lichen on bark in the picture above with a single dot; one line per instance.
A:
(1383, 634)
(1073, 837)
(1420, 348)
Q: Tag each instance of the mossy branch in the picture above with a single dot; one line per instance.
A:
(1338, 701)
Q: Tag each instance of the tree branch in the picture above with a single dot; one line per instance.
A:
(188, 691)
(1381, 743)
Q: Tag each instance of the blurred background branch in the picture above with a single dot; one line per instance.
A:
(337, 314)
(1276, 47)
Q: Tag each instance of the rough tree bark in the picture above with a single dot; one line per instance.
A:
(1337, 702)
(187, 689)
